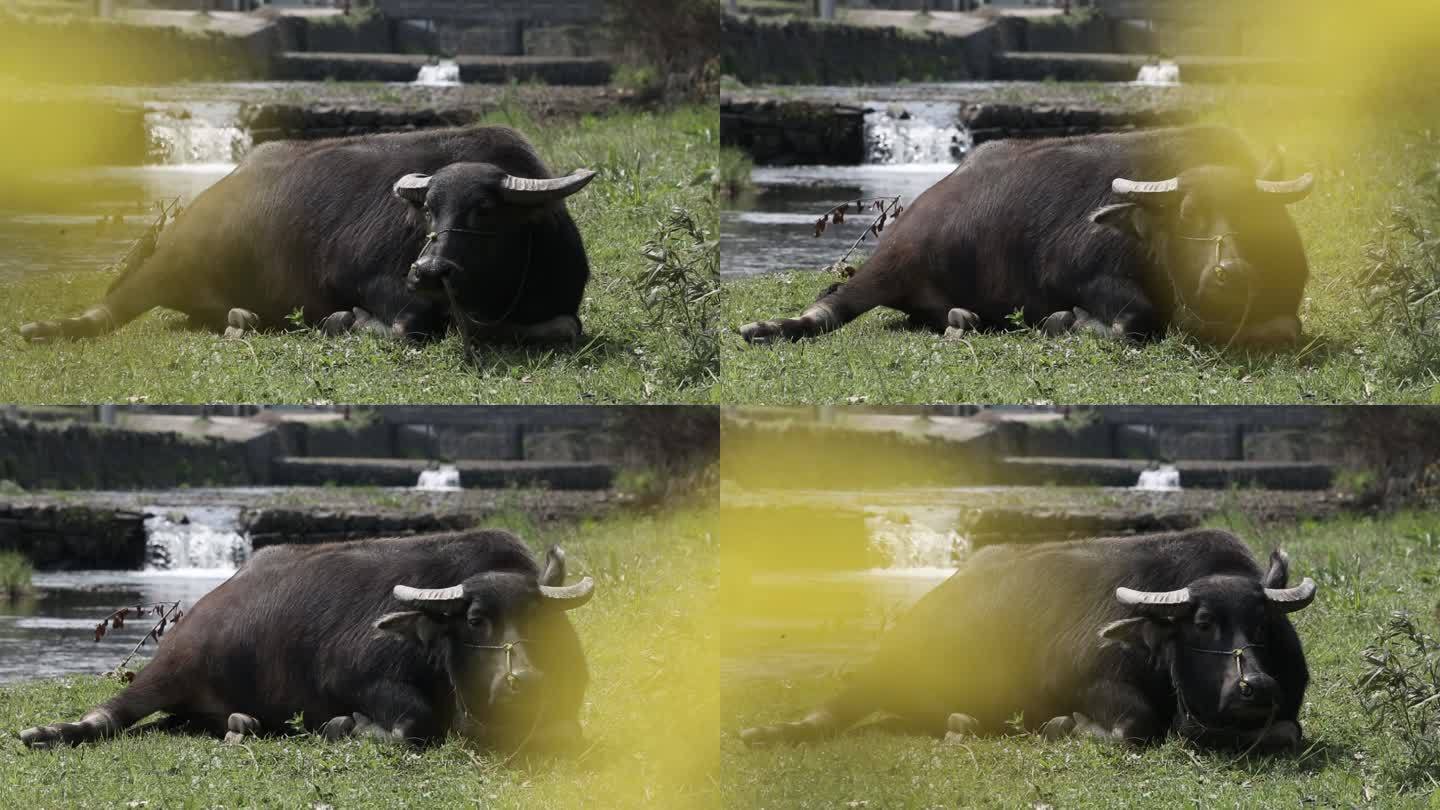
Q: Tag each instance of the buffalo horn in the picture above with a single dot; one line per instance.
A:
(1290, 600)
(534, 191)
(443, 600)
(1287, 191)
(412, 187)
(1154, 189)
(569, 597)
(1167, 603)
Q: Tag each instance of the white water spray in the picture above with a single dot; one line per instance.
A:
(445, 73)
(917, 541)
(196, 133)
(195, 538)
(1161, 74)
(1165, 478)
(445, 478)
(918, 132)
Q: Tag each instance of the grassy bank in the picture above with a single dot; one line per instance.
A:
(1365, 568)
(648, 164)
(1345, 355)
(649, 716)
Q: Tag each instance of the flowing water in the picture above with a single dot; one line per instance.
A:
(799, 623)
(1161, 74)
(87, 218)
(908, 148)
(444, 73)
(189, 549)
(1165, 478)
(445, 478)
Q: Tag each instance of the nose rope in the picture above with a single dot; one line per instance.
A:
(1239, 655)
(509, 650)
(463, 320)
(1219, 240)
(510, 679)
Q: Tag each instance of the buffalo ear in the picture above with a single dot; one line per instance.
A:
(554, 567)
(412, 188)
(1145, 632)
(411, 625)
(1127, 217)
(1279, 571)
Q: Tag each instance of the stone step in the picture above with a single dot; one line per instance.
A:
(401, 472)
(1119, 472)
(393, 67)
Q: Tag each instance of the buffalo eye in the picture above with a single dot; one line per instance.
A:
(480, 623)
(1203, 623)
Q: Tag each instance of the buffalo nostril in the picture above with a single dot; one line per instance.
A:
(1246, 690)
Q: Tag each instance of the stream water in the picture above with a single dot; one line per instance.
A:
(189, 551)
(794, 623)
(908, 148)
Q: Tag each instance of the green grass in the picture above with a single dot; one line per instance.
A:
(1365, 569)
(649, 163)
(1342, 358)
(15, 574)
(649, 715)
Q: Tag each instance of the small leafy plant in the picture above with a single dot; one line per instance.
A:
(167, 614)
(15, 575)
(680, 290)
(889, 208)
(1401, 281)
(1400, 691)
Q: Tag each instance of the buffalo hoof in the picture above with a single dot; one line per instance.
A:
(1058, 323)
(41, 331)
(962, 725)
(40, 737)
(239, 321)
(239, 726)
(338, 728)
(760, 332)
(1058, 727)
(963, 320)
(56, 734)
(338, 323)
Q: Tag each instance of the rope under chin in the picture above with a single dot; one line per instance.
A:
(1239, 655)
(1190, 311)
(464, 320)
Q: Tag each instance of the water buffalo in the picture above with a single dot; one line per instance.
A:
(371, 637)
(1118, 234)
(1125, 639)
(400, 234)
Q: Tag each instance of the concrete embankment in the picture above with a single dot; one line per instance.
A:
(394, 67)
(780, 131)
(873, 47)
(106, 530)
(399, 472)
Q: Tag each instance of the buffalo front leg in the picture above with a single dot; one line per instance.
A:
(97, 725)
(838, 306)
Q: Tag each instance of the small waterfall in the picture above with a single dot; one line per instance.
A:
(197, 133)
(195, 538)
(915, 132)
(1161, 74)
(445, 73)
(1165, 478)
(917, 541)
(445, 478)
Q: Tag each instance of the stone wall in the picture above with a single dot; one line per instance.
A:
(780, 132)
(387, 67)
(775, 132)
(60, 536)
(94, 51)
(84, 456)
(811, 52)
